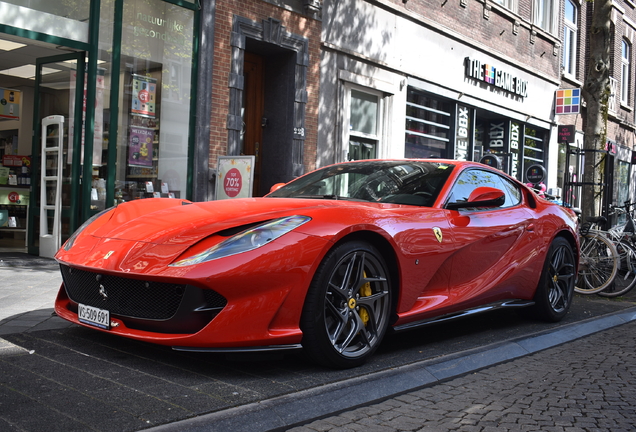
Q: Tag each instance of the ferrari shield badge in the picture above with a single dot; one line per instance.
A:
(438, 233)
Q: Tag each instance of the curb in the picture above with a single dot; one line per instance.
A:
(308, 405)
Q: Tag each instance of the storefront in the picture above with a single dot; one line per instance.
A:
(442, 128)
(102, 91)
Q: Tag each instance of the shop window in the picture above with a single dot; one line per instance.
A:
(533, 148)
(625, 72)
(570, 35)
(65, 19)
(621, 184)
(427, 126)
(364, 119)
(154, 112)
(544, 14)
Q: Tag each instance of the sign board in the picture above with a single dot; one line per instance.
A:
(492, 160)
(9, 104)
(568, 101)
(566, 133)
(535, 174)
(234, 177)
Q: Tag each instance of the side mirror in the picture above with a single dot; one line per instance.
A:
(276, 187)
(483, 197)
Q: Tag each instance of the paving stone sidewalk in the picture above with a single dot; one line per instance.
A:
(585, 385)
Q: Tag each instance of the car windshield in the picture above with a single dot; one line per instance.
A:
(398, 182)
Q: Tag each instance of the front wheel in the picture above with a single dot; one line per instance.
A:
(556, 286)
(348, 306)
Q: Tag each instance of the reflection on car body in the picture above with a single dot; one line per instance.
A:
(328, 262)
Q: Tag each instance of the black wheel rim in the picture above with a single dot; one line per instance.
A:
(561, 283)
(357, 304)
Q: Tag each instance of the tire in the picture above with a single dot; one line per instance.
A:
(555, 291)
(625, 278)
(599, 264)
(348, 306)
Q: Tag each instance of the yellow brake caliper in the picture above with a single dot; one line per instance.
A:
(365, 291)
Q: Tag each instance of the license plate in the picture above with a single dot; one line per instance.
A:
(94, 316)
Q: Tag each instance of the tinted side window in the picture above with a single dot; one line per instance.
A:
(471, 179)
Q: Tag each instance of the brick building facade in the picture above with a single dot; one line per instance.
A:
(265, 85)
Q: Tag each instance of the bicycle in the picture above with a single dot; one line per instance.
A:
(599, 261)
(623, 237)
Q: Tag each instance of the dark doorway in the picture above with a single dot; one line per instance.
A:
(252, 114)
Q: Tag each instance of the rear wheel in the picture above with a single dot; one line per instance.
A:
(556, 286)
(348, 305)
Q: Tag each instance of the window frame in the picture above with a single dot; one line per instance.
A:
(544, 15)
(348, 134)
(626, 57)
(570, 40)
(511, 5)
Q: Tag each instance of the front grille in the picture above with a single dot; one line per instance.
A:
(123, 296)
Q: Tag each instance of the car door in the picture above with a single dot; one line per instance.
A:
(492, 245)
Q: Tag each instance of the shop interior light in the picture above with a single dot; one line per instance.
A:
(26, 71)
(6, 45)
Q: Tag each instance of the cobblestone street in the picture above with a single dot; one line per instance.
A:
(585, 385)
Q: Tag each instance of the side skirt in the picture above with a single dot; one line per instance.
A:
(267, 348)
(465, 313)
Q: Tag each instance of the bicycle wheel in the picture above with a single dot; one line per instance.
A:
(599, 263)
(626, 276)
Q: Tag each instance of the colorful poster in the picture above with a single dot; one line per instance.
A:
(140, 143)
(568, 101)
(144, 95)
(9, 104)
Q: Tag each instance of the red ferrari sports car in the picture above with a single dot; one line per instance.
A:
(327, 262)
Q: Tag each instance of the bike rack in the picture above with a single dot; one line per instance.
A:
(568, 184)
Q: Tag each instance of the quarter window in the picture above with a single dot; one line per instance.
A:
(471, 179)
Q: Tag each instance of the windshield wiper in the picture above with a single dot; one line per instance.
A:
(328, 197)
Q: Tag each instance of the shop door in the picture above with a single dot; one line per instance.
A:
(56, 94)
(252, 112)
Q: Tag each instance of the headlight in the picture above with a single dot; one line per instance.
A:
(69, 243)
(247, 240)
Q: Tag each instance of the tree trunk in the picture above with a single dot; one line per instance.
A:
(596, 92)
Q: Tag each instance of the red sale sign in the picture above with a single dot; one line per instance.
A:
(234, 177)
(232, 183)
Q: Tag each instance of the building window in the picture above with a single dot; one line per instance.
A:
(365, 131)
(508, 4)
(625, 72)
(570, 30)
(427, 126)
(544, 14)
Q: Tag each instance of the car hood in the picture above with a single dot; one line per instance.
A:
(181, 222)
